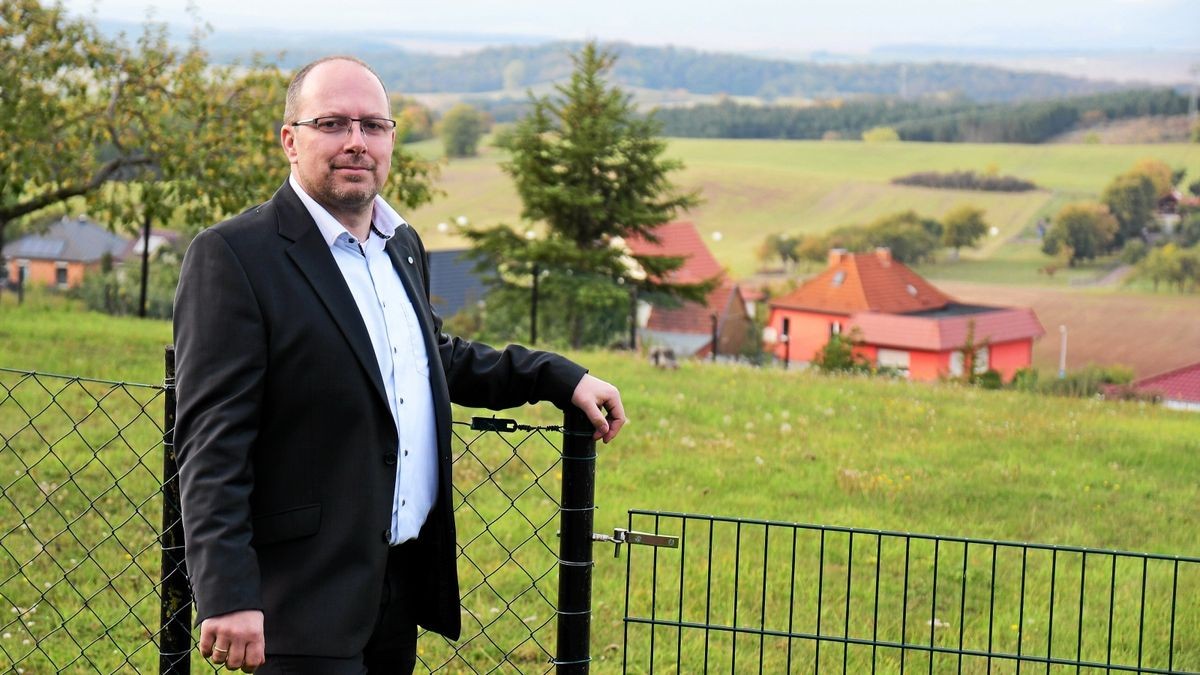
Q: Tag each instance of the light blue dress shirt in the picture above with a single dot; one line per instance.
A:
(400, 352)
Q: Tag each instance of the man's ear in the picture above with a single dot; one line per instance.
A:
(287, 138)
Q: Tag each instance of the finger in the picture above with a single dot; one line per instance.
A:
(616, 416)
(236, 656)
(596, 416)
(255, 656)
(207, 639)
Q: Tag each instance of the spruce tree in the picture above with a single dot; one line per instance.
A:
(590, 170)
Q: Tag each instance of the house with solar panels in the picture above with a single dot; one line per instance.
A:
(898, 320)
(63, 254)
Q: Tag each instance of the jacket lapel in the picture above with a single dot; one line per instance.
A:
(311, 254)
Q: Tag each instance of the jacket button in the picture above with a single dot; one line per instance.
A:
(389, 458)
(387, 536)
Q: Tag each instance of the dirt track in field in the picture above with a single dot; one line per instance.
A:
(1149, 333)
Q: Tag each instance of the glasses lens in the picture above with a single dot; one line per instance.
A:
(376, 126)
(332, 125)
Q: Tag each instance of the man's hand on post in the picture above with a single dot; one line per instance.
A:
(601, 402)
(234, 640)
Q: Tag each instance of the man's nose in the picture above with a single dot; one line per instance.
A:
(356, 138)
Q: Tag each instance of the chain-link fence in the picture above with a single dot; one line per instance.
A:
(87, 537)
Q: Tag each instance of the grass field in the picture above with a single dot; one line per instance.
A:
(794, 447)
(753, 188)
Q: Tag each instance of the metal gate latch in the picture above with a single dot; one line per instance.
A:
(623, 536)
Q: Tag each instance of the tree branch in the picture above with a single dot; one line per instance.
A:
(103, 174)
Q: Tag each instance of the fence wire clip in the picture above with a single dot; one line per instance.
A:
(493, 424)
(623, 536)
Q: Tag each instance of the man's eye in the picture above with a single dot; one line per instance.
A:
(373, 126)
(331, 124)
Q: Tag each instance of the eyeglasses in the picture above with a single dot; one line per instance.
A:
(339, 124)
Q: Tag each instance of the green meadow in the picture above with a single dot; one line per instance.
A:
(706, 439)
(753, 188)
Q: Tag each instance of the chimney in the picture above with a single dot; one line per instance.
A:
(836, 255)
(885, 255)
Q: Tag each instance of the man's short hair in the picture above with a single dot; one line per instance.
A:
(292, 103)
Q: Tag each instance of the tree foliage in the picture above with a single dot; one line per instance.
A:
(963, 226)
(591, 169)
(880, 135)
(934, 119)
(910, 237)
(147, 132)
(1173, 265)
(1083, 229)
(1131, 198)
(839, 355)
(461, 129)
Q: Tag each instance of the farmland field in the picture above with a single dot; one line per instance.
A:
(753, 188)
(1149, 333)
(799, 447)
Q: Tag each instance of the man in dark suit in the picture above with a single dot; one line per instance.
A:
(314, 388)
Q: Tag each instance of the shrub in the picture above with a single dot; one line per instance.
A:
(1087, 382)
(966, 180)
(991, 379)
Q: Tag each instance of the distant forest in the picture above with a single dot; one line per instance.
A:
(1030, 122)
(516, 68)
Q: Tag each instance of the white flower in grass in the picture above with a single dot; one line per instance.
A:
(759, 461)
(937, 623)
(785, 428)
(7, 636)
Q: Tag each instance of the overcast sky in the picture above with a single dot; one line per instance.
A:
(737, 25)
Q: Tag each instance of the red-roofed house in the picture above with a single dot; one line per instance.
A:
(1179, 388)
(687, 329)
(903, 322)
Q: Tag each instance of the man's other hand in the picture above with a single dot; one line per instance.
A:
(601, 402)
(234, 640)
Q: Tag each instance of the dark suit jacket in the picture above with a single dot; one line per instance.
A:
(286, 445)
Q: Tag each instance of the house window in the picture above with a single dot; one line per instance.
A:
(22, 271)
(893, 359)
(982, 361)
(838, 277)
(60, 274)
(835, 328)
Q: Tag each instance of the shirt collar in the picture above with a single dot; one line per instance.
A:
(384, 220)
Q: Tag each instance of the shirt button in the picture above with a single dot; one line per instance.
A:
(406, 453)
(402, 403)
(410, 260)
(394, 350)
(403, 502)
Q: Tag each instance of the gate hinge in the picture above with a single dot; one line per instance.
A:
(623, 536)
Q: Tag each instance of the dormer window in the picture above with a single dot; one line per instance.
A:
(839, 277)
(912, 290)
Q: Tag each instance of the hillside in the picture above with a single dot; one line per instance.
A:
(798, 447)
(755, 187)
(514, 68)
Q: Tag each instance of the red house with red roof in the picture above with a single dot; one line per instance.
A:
(687, 329)
(901, 320)
(1178, 389)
